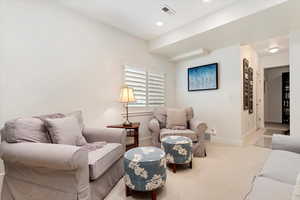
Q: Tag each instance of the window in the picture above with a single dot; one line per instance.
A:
(149, 88)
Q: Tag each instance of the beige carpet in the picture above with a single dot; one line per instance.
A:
(226, 174)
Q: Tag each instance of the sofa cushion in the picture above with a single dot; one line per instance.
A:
(102, 159)
(283, 166)
(176, 117)
(26, 130)
(65, 131)
(269, 189)
(187, 133)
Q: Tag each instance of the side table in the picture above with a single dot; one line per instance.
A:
(132, 131)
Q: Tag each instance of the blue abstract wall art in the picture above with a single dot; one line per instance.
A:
(203, 77)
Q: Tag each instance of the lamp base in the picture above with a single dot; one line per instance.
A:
(127, 123)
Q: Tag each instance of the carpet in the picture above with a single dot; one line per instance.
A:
(264, 142)
(225, 174)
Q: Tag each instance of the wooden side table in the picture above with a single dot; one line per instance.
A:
(132, 131)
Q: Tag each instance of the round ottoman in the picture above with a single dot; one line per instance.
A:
(178, 150)
(145, 169)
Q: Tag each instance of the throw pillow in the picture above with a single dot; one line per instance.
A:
(65, 130)
(161, 115)
(296, 192)
(78, 115)
(51, 116)
(176, 117)
(25, 130)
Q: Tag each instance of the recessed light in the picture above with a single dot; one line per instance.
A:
(206, 1)
(274, 50)
(159, 23)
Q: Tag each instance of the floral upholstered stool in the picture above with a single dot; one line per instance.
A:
(145, 170)
(178, 150)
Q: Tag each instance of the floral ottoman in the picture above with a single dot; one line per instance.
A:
(178, 150)
(145, 169)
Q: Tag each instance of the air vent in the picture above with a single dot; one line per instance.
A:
(167, 9)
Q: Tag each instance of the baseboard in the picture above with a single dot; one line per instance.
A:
(237, 142)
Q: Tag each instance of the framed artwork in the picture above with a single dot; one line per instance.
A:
(203, 77)
(246, 83)
(250, 90)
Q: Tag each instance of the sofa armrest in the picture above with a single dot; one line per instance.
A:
(154, 128)
(286, 143)
(198, 126)
(53, 156)
(112, 135)
(153, 125)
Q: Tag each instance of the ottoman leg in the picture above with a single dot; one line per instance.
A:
(191, 164)
(128, 191)
(153, 195)
(174, 167)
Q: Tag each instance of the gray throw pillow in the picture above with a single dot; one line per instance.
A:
(78, 115)
(25, 130)
(65, 130)
(176, 117)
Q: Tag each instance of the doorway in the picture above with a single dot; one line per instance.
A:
(276, 100)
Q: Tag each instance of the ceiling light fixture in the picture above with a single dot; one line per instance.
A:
(274, 49)
(159, 23)
(206, 1)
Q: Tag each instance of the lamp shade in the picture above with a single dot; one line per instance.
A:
(127, 95)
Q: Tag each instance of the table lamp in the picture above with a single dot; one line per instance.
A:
(126, 97)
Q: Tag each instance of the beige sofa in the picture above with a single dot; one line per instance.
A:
(277, 179)
(35, 171)
(195, 130)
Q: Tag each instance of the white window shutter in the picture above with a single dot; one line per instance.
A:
(137, 79)
(156, 89)
(149, 88)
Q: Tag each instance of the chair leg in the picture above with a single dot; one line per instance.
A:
(128, 191)
(153, 195)
(191, 164)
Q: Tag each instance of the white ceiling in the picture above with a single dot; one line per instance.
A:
(278, 20)
(262, 47)
(139, 17)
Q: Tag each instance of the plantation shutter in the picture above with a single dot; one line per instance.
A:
(156, 89)
(137, 79)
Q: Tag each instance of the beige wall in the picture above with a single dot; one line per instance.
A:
(55, 60)
(219, 108)
(295, 82)
(274, 60)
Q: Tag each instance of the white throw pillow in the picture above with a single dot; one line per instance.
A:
(296, 193)
(176, 117)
